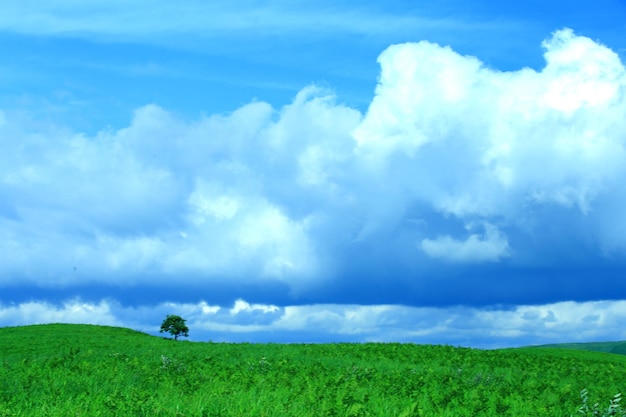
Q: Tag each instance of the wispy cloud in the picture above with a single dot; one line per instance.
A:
(208, 19)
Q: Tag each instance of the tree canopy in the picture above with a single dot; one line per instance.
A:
(175, 325)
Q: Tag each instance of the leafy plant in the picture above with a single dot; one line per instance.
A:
(171, 364)
(104, 371)
(614, 408)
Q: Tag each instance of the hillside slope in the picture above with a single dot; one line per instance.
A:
(605, 347)
(62, 370)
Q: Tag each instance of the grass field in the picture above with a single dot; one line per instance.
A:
(82, 370)
(607, 347)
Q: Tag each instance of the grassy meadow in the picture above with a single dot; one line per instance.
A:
(608, 347)
(82, 370)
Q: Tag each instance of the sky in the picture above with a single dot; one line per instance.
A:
(443, 172)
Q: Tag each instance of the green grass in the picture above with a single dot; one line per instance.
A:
(82, 370)
(606, 347)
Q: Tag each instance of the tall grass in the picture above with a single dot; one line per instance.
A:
(75, 370)
(614, 408)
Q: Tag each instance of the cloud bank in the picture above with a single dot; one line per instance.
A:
(454, 164)
(460, 326)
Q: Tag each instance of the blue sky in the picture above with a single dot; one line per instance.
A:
(448, 172)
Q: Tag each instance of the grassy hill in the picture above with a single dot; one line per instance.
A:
(606, 347)
(83, 370)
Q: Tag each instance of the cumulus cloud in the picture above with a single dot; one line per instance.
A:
(228, 231)
(474, 141)
(524, 147)
(315, 193)
(220, 196)
(491, 246)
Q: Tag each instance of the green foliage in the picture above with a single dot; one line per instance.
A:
(609, 347)
(175, 325)
(72, 370)
(614, 408)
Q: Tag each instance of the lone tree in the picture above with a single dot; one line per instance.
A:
(175, 325)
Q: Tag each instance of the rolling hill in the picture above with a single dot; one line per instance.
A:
(68, 369)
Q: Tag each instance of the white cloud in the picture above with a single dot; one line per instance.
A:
(523, 325)
(230, 231)
(217, 197)
(241, 305)
(73, 311)
(422, 93)
(489, 247)
(283, 194)
(585, 74)
(473, 142)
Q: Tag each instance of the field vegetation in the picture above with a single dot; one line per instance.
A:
(83, 370)
(608, 347)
